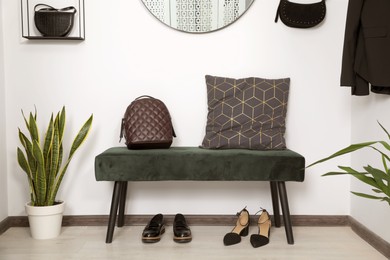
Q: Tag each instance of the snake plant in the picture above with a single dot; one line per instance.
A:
(379, 179)
(42, 158)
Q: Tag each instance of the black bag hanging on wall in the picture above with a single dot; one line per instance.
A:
(147, 124)
(298, 15)
(52, 22)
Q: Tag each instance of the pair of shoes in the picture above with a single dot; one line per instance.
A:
(156, 227)
(242, 229)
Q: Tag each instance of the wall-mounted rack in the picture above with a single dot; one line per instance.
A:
(29, 30)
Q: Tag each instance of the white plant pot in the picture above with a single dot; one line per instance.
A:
(45, 221)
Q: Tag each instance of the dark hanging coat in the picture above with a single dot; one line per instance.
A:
(366, 55)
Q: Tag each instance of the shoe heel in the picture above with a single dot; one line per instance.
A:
(245, 231)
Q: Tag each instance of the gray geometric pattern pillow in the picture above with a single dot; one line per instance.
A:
(246, 113)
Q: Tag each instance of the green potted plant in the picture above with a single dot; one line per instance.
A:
(379, 179)
(42, 161)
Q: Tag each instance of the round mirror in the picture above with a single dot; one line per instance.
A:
(197, 16)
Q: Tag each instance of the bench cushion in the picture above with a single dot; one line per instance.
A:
(197, 164)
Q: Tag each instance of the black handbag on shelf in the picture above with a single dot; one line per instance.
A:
(52, 22)
(299, 15)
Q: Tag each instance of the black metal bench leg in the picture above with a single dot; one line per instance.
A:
(113, 211)
(275, 203)
(122, 203)
(286, 212)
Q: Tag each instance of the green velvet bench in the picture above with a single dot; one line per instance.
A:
(122, 165)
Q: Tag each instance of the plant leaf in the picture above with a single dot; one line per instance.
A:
(61, 123)
(384, 129)
(79, 139)
(367, 196)
(377, 173)
(55, 153)
(25, 120)
(28, 148)
(385, 145)
(334, 173)
(81, 136)
(48, 138)
(23, 163)
(40, 178)
(359, 175)
(346, 150)
(47, 147)
(349, 170)
(33, 129)
(368, 180)
(379, 176)
(26, 168)
(385, 164)
(382, 153)
(60, 157)
(346, 169)
(35, 113)
(387, 200)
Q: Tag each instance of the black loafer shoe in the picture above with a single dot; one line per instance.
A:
(181, 231)
(153, 231)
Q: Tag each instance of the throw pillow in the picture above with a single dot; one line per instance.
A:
(246, 113)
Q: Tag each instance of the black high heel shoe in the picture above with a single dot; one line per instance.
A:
(153, 231)
(262, 238)
(241, 229)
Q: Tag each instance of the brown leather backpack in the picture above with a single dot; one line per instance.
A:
(147, 124)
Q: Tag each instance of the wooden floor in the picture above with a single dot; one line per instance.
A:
(88, 243)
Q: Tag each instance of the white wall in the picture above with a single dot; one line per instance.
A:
(3, 164)
(365, 114)
(127, 53)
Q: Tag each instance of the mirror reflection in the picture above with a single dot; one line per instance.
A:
(197, 16)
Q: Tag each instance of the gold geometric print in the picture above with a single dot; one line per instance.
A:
(246, 113)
